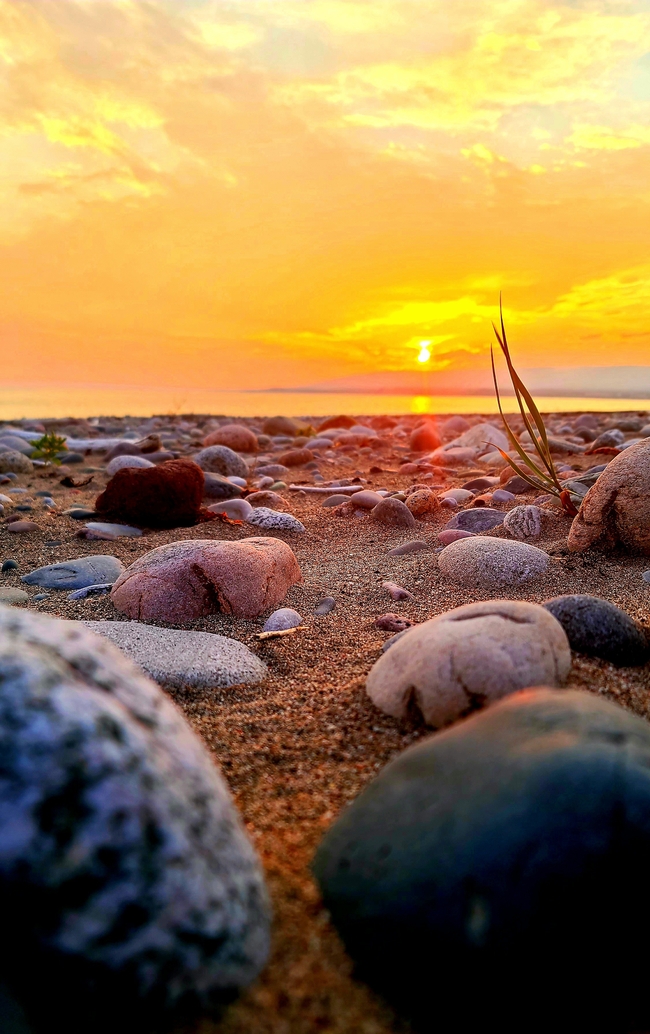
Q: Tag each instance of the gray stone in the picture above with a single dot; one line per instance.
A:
(125, 868)
(119, 530)
(336, 499)
(219, 459)
(118, 462)
(12, 462)
(325, 606)
(480, 518)
(282, 619)
(524, 522)
(470, 657)
(218, 487)
(175, 658)
(598, 628)
(89, 590)
(487, 562)
(76, 574)
(415, 546)
(394, 514)
(9, 443)
(274, 520)
(505, 856)
(10, 595)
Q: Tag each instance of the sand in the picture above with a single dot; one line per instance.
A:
(297, 748)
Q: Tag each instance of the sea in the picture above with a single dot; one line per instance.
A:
(93, 401)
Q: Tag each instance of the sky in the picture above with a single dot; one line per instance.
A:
(259, 193)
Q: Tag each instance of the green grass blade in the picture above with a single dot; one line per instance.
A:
(513, 439)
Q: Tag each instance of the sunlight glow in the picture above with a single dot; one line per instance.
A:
(425, 352)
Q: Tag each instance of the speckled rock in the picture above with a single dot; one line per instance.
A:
(524, 522)
(11, 595)
(272, 520)
(616, 510)
(126, 461)
(599, 628)
(77, 574)
(505, 856)
(282, 619)
(482, 518)
(481, 561)
(394, 514)
(469, 657)
(234, 436)
(175, 658)
(219, 459)
(236, 509)
(128, 883)
(196, 577)
(12, 462)
(422, 502)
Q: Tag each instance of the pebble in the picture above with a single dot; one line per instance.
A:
(481, 519)
(11, 595)
(502, 496)
(90, 590)
(335, 500)
(265, 482)
(79, 513)
(77, 574)
(646, 576)
(517, 486)
(396, 592)
(449, 504)
(488, 562)
(125, 833)
(392, 623)
(508, 844)
(278, 486)
(449, 535)
(234, 436)
(12, 462)
(295, 457)
(421, 502)
(192, 578)
(470, 657)
(9, 565)
(236, 509)
(414, 546)
(366, 499)
(271, 500)
(394, 514)
(479, 484)
(40, 596)
(115, 530)
(325, 606)
(598, 628)
(524, 522)
(22, 527)
(219, 459)
(274, 520)
(459, 495)
(126, 461)
(282, 619)
(216, 486)
(273, 470)
(175, 658)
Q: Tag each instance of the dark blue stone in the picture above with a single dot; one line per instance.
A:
(480, 518)
(598, 628)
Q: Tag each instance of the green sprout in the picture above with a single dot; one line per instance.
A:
(48, 448)
(539, 472)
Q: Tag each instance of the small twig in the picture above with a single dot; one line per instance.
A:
(281, 632)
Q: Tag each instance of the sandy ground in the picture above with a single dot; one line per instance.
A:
(297, 748)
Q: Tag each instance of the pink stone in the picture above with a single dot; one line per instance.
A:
(23, 526)
(186, 580)
(234, 436)
(453, 535)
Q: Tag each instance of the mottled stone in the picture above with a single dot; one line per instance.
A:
(480, 519)
(272, 520)
(524, 522)
(599, 628)
(76, 574)
(480, 561)
(219, 459)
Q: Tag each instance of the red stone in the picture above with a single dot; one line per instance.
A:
(168, 496)
(425, 438)
(337, 421)
(295, 457)
(234, 436)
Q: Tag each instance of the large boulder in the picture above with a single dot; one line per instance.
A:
(131, 896)
(234, 436)
(616, 510)
(186, 580)
(168, 496)
(469, 657)
(219, 459)
(495, 875)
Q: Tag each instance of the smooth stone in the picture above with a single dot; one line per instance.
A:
(278, 486)
(459, 495)
(236, 509)
(449, 535)
(176, 658)
(9, 565)
(77, 574)
(123, 834)
(396, 592)
(336, 500)
(192, 578)
(265, 482)
(90, 590)
(450, 456)
(79, 513)
(482, 518)
(366, 500)
(517, 486)
(616, 510)
(240, 482)
(10, 443)
(282, 619)
(502, 496)
(11, 595)
(524, 522)
(218, 487)
(219, 459)
(468, 658)
(393, 514)
(449, 504)
(22, 527)
(421, 502)
(481, 437)
(71, 457)
(454, 425)
(126, 461)
(118, 530)
(325, 606)
(480, 484)
(480, 561)
(12, 462)
(235, 436)
(598, 628)
(512, 847)
(415, 546)
(40, 596)
(646, 576)
(274, 520)
(273, 470)
(271, 500)
(393, 639)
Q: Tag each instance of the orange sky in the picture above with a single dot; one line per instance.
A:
(276, 192)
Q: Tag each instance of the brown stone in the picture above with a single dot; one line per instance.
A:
(235, 436)
(168, 496)
(424, 501)
(616, 510)
(394, 514)
(425, 438)
(280, 425)
(295, 457)
(23, 526)
(337, 421)
(267, 498)
(186, 580)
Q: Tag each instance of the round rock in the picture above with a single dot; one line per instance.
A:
(272, 520)
(480, 561)
(196, 577)
(616, 510)
(219, 459)
(10, 595)
(235, 437)
(482, 518)
(128, 878)
(236, 509)
(77, 574)
(393, 514)
(126, 461)
(422, 502)
(469, 657)
(271, 500)
(524, 522)
(216, 486)
(598, 628)
(282, 619)
(175, 658)
(12, 462)
(514, 846)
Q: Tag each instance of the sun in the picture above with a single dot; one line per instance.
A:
(425, 352)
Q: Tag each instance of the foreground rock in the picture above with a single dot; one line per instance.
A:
(77, 574)
(513, 847)
(467, 658)
(482, 561)
(616, 510)
(129, 886)
(598, 628)
(12, 462)
(175, 658)
(187, 580)
(168, 496)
